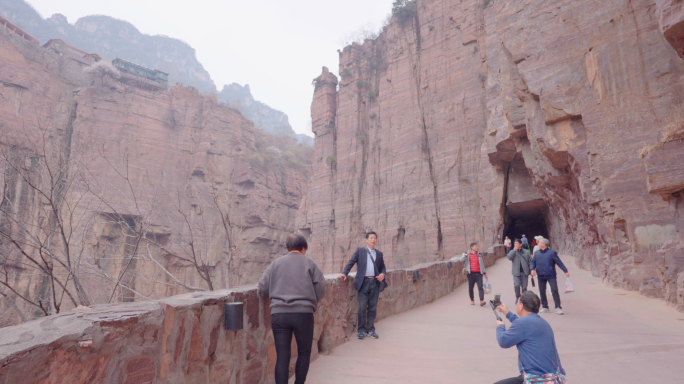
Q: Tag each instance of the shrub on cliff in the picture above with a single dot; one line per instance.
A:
(102, 69)
(404, 9)
(274, 151)
(373, 94)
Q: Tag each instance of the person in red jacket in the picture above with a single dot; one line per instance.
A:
(475, 266)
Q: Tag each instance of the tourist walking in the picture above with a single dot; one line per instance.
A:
(520, 259)
(507, 244)
(525, 242)
(475, 268)
(537, 354)
(544, 265)
(295, 285)
(369, 282)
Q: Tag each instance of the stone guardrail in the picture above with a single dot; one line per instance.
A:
(181, 339)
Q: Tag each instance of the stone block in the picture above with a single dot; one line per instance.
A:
(665, 169)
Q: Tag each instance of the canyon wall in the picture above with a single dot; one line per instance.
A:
(439, 127)
(134, 163)
(112, 38)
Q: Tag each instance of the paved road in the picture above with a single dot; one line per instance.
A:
(607, 336)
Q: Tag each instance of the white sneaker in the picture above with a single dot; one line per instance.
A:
(558, 311)
(544, 310)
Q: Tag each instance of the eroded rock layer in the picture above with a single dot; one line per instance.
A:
(153, 161)
(427, 139)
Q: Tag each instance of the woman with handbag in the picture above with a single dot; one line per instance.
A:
(474, 268)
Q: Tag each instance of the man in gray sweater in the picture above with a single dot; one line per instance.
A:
(521, 267)
(295, 285)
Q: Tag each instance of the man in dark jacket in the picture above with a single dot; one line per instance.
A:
(521, 267)
(544, 265)
(370, 273)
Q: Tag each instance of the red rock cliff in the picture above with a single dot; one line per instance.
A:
(179, 146)
(442, 124)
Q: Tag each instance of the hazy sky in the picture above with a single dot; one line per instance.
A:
(275, 46)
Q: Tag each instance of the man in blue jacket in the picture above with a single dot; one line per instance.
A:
(533, 336)
(544, 265)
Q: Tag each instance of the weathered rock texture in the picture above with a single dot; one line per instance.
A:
(433, 121)
(180, 146)
(182, 339)
(671, 16)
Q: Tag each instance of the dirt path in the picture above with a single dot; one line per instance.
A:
(607, 336)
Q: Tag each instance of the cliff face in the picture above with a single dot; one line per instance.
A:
(470, 120)
(154, 161)
(270, 120)
(113, 38)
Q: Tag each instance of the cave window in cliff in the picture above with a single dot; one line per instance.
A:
(525, 211)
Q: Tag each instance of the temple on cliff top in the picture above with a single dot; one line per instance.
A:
(73, 52)
(140, 75)
(17, 31)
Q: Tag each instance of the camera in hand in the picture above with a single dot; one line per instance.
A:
(495, 303)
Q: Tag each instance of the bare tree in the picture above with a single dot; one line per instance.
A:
(367, 31)
(40, 230)
(169, 229)
(70, 234)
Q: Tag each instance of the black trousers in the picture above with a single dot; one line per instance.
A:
(512, 380)
(554, 291)
(284, 325)
(368, 305)
(475, 277)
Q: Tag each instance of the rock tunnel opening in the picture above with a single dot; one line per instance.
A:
(528, 220)
(525, 211)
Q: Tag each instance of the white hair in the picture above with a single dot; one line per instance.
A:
(545, 241)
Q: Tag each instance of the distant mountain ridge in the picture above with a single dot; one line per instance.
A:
(111, 38)
(270, 120)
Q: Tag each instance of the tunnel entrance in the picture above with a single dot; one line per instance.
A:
(529, 221)
(525, 211)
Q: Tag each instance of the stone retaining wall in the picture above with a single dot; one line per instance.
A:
(181, 339)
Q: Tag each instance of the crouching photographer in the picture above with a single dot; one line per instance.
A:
(538, 358)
